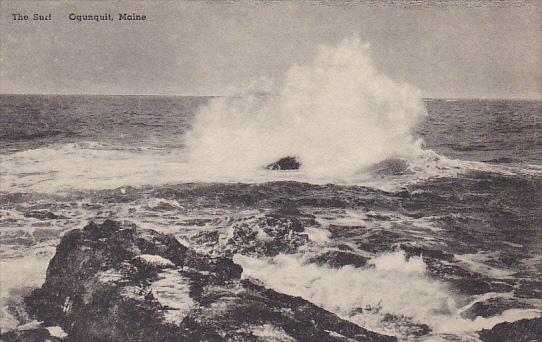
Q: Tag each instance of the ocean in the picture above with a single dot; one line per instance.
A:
(437, 206)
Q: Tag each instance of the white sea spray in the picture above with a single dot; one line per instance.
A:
(392, 284)
(336, 114)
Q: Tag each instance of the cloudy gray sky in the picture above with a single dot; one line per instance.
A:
(447, 49)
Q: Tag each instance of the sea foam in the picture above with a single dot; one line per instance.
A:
(391, 286)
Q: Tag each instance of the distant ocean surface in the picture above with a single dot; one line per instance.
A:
(450, 229)
(505, 131)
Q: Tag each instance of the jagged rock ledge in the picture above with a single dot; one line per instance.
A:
(116, 282)
(525, 330)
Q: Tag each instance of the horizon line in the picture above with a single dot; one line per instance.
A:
(217, 95)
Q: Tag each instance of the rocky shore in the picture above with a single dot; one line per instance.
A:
(116, 282)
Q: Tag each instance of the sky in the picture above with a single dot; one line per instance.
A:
(446, 49)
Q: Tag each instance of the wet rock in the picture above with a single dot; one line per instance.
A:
(426, 252)
(493, 307)
(391, 167)
(44, 215)
(520, 331)
(116, 282)
(464, 281)
(337, 259)
(267, 235)
(413, 329)
(471, 286)
(378, 241)
(279, 231)
(39, 334)
(206, 238)
(286, 163)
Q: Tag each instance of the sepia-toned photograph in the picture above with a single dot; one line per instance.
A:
(275, 171)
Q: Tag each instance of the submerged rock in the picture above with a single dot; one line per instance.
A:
(286, 163)
(116, 282)
(338, 259)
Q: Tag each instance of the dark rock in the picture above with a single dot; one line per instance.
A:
(524, 330)
(44, 215)
(378, 241)
(206, 238)
(413, 329)
(476, 285)
(267, 235)
(426, 252)
(462, 280)
(304, 316)
(391, 167)
(32, 335)
(493, 307)
(116, 282)
(339, 259)
(286, 163)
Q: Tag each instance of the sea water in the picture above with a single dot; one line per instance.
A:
(441, 196)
